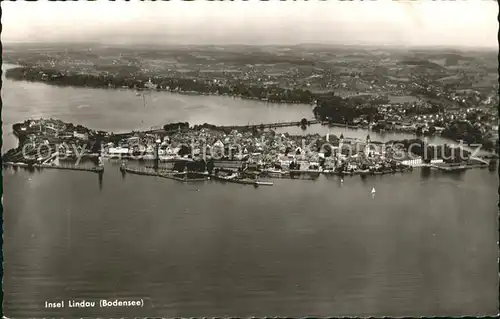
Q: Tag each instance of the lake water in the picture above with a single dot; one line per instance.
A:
(425, 244)
(123, 111)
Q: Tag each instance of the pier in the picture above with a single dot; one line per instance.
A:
(170, 175)
(96, 169)
(417, 162)
(244, 181)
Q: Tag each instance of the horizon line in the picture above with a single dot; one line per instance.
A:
(371, 45)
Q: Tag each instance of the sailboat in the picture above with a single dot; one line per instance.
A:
(373, 190)
(56, 161)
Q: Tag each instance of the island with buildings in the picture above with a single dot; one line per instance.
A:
(245, 155)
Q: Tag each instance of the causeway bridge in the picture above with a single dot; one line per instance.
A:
(271, 125)
(159, 130)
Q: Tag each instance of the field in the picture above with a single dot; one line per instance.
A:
(316, 68)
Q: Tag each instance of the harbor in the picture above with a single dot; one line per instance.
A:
(195, 153)
(186, 177)
(177, 176)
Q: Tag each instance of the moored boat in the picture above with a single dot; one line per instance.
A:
(273, 173)
(262, 183)
(363, 172)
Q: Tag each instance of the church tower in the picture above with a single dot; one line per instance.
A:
(367, 147)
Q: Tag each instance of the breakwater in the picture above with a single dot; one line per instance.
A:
(97, 169)
(186, 176)
(192, 176)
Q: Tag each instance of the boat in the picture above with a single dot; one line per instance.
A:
(329, 172)
(273, 173)
(373, 190)
(456, 169)
(451, 168)
(228, 177)
(264, 183)
(492, 166)
(20, 164)
(245, 181)
(363, 172)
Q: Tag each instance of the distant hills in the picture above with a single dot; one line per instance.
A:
(301, 46)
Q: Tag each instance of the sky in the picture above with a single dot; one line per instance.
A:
(461, 23)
